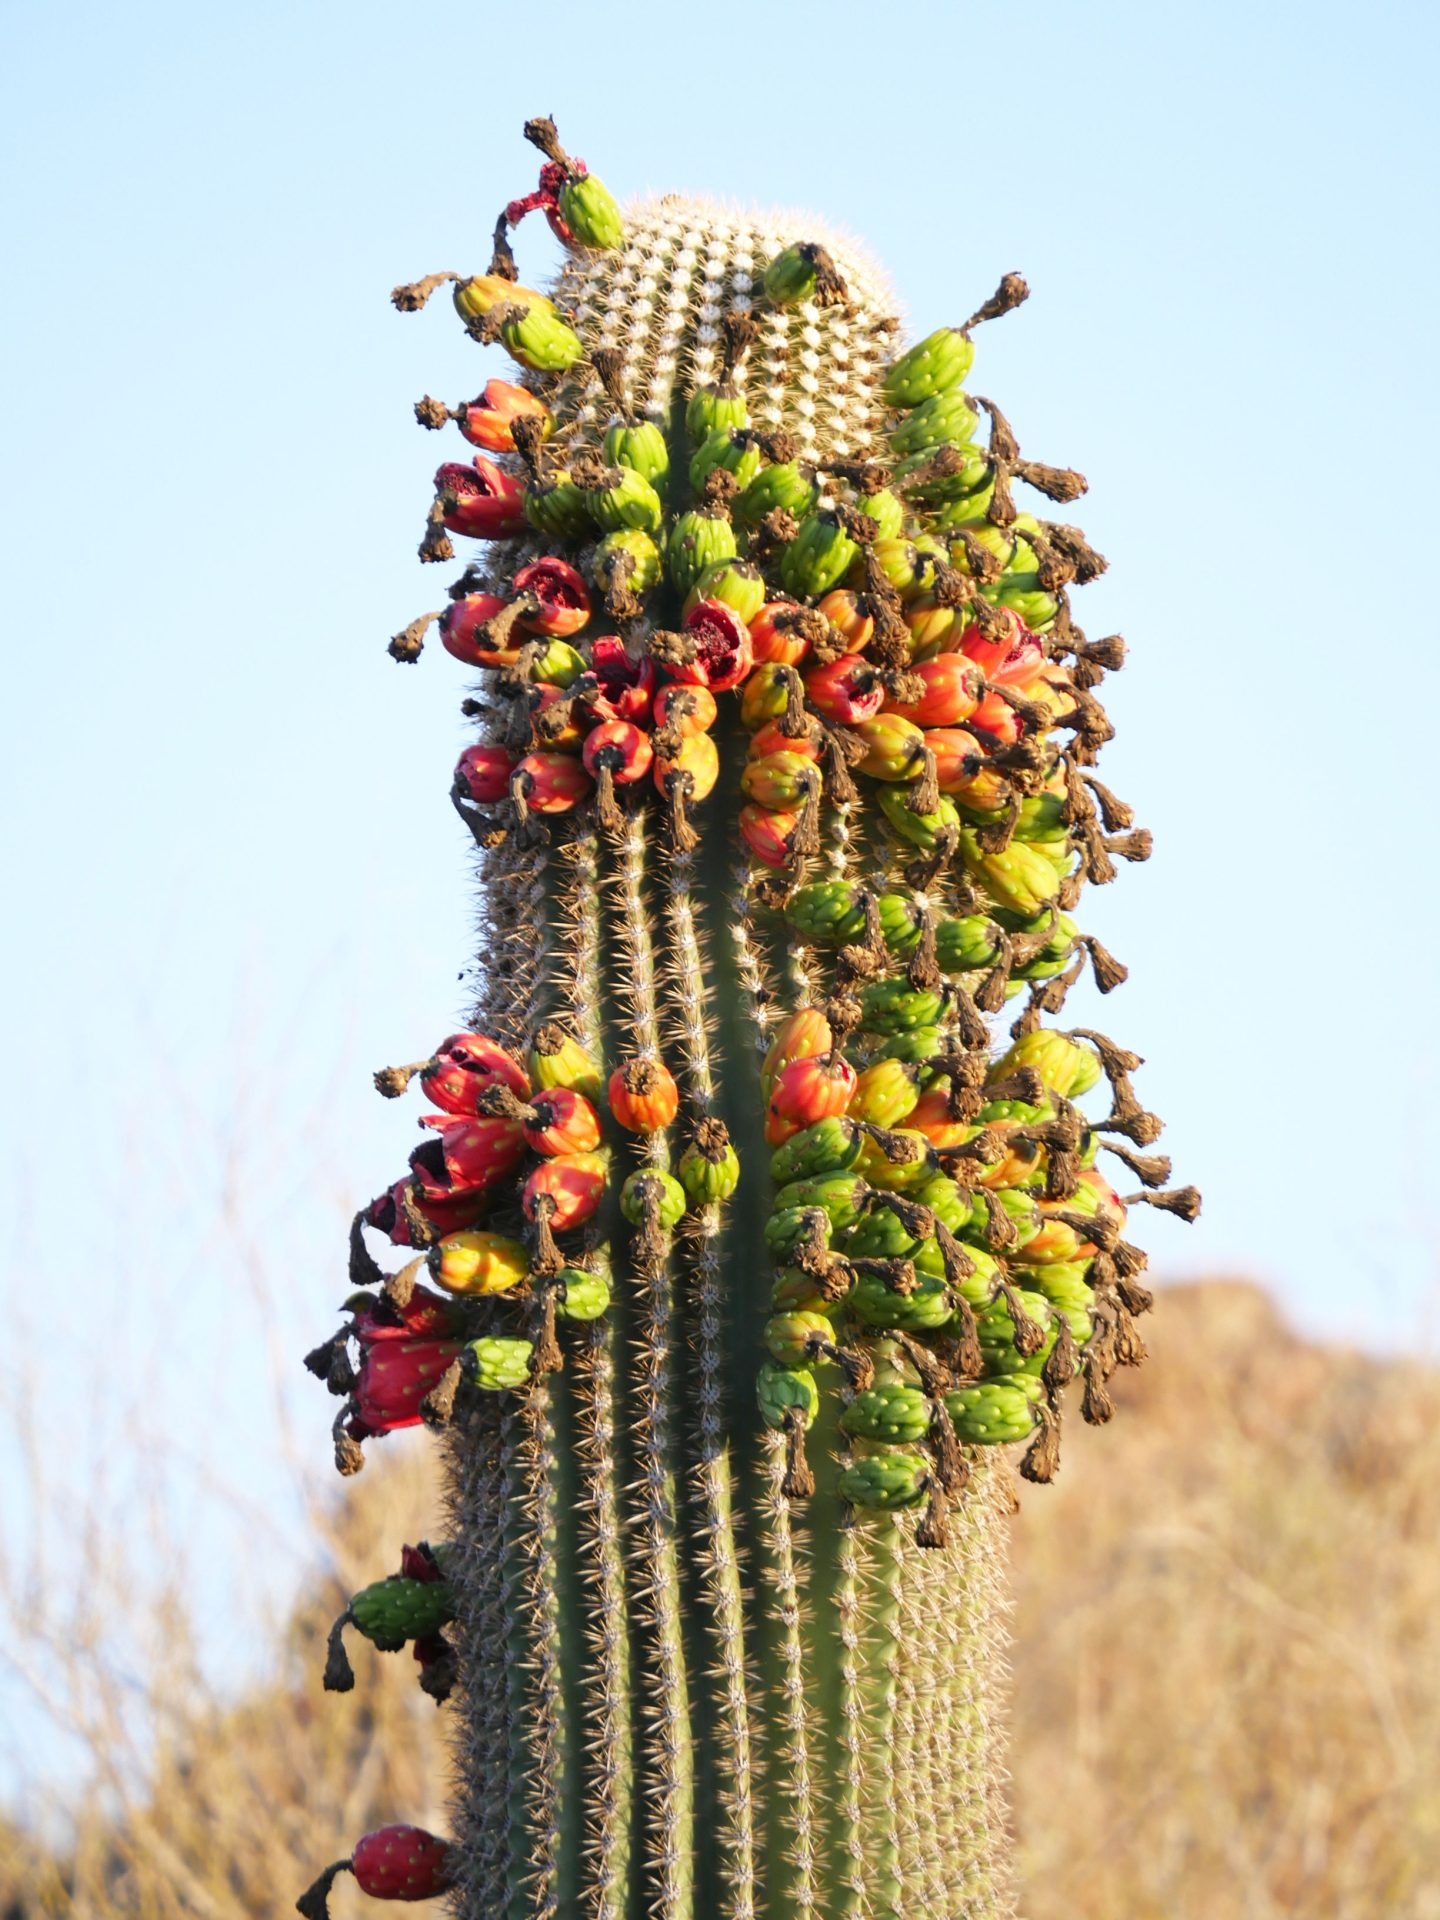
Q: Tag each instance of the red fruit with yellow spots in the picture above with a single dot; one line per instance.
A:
(482, 500)
(772, 738)
(483, 774)
(965, 771)
(394, 1377)
(768, 833)
(686, 709)
(550, 782)
(426, 1315)
(488, 420)
(562, 731)
(462, 631)
(953, 686)
(561, 1121)
(576, 1184)
(563, 596)
(845, 690)
(402, 1863)
(774, 636)
(643, 1095)
(807, 1091)
(849, 614)
(894, 747)
(442, 1214)
(804, 1035)
(470, 1155)
(699, 758)
(463, 1066)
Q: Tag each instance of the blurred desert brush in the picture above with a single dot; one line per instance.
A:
(1227, 1691)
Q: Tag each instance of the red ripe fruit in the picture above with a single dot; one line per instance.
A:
(562, 734)
(1017, 662)
(849, 614)
(772, 738)
(768, 832)
(483, 774)
(426, 1315)
(461, 631)
(623, 748)
(778, 642)
(804, 1035)
(395, 1376)
(561, 1121)
(550, 782)
(564, 598)
(419, 1563)
(402, 1863)
(625, 685)
(464, 1065)
(807, 1091)
(723, 650)
(994, 722)
(964, 771)
(845, 690)
(488, 419)
(481, 500)
(685, 708)
(953, 686)
(643, 1095)
(699, 757)
(576, 1183)
(471, 1155)
(386, 1213)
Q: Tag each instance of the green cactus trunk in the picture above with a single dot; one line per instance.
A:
(709, 1666)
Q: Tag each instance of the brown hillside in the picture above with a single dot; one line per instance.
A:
(1227, 1670)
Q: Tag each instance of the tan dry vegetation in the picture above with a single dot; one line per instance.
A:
(1227, 1671)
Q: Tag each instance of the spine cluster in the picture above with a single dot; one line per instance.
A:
(739, 1250)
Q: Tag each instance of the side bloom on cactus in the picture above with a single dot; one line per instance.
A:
(739, 1210)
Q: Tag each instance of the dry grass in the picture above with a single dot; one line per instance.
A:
(1228, 1671)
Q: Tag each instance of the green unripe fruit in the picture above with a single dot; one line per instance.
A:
(996, 1332)
(559, 509)
(641, 447)
(886, 509)
(698, 541)
(992, 1413)
(885, 1482)
(589, 210)
(969, 511)
(628, 558)
(499, 1363)
(736, 583)
(1024, 595)
(830, 1146)
(787, 1335)
(558, 665)
(918, 1045)
(712, 408)
(818, 558)
(390, 1612)
(893, 1413)
(730, 448)
(943, 475)
(649, 1184)
(622, 498)
(894, 1006)
(944, 419)
(582, 1295)
(944, 1199)
(925, 1310)
(840, 1196)
(932, 366)
(1020, 878)
(803, 271)
(709, 1168)
(538, 338)
(782, 1390)
(922, 830)
(791, 1227)
(967, 945)
(786, 486)
(828, 912)
(880, 1234)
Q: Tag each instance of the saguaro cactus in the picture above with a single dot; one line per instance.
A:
(748, 1248)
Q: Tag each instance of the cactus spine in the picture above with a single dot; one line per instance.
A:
(773, 804)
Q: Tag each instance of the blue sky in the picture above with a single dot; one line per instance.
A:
(237, 884)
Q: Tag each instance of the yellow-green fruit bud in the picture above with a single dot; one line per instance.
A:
(788, 1335)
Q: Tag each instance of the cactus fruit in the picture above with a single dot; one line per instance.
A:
(756, 1246)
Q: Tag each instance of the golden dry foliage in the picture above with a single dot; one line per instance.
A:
(1227, 1686)
(1228, 1636)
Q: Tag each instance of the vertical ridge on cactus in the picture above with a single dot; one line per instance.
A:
(782, 788)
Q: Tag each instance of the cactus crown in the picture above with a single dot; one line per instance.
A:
(748, 1249)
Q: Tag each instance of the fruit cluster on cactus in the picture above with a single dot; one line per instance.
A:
(736, 1232)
